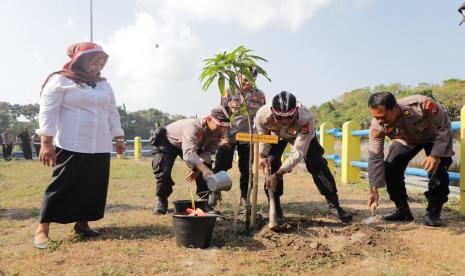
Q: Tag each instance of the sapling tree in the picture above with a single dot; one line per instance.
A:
(227, 69)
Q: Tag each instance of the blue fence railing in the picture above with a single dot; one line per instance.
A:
(365, 132)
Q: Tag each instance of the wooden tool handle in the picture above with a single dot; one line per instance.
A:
(272, 216)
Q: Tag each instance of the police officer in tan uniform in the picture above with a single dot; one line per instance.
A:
(413, 124)
(294, 124)
(195, 140)
(225, 154)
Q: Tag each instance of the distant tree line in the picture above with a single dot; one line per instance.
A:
(350, 106)
(136, 123)
(140, 122)
(18, 116)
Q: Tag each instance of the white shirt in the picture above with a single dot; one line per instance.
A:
(80, 118)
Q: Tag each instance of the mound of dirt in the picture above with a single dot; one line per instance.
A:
(318, 244)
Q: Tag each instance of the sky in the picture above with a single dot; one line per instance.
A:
(317, 49)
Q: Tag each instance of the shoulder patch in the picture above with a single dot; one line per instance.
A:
(431, 107)
(253, 102)
(198, 135)
(305, 129)
(375, 133)
(292, 131)
(262, 99)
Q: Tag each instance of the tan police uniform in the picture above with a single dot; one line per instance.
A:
(301, 135)
(298, 134)
(194, 142)
(225, 155)
(423, 124)
(255, 98)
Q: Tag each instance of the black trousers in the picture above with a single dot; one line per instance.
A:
(7, 150)
(27, 151)
(37, 148)
(396, 162)
(163, 158)
(316, 165)
(224, 159)
(78, 190)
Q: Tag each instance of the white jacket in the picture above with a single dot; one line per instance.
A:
(80, 118)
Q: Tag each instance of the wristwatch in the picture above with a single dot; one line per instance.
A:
(278, 175)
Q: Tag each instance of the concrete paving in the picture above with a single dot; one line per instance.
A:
(421, 183)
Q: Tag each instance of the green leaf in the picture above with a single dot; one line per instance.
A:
(207, 84)
(207, 72)
(232, 81)
(250, 61)
(221, 84)
(257, 57)
(225, 65)
(209, 59)
(231, 118)
(238, 49)
(232, 85)
(243, 109)
(245, 71)
(262, 72)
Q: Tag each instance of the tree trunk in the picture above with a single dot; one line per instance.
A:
(249, 189)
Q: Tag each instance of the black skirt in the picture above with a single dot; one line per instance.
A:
(78, 190)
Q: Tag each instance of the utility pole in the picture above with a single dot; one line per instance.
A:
(91, 24)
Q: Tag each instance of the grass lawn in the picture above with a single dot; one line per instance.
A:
(134, 241)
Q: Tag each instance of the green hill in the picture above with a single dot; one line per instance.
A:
(353, 105)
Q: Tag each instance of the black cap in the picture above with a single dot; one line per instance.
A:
(462, 12)
(221, 115)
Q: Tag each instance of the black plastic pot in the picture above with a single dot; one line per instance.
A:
(180, 206)
(193, 231)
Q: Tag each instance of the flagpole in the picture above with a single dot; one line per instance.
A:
(91, 24)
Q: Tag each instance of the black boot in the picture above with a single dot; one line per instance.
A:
(162, 206)
(330, 204)
(433, 215)
(343, 215)
(401, 213)
(333, 203)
